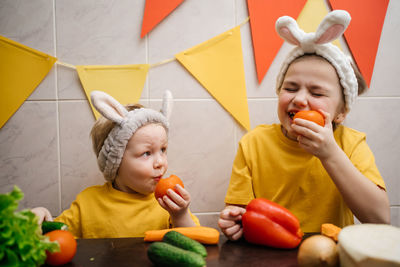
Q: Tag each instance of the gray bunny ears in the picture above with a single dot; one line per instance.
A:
(127, 123)
(331, 28)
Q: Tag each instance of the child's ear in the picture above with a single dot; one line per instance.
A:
(340, 117)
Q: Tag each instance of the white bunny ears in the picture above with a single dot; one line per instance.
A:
(127, 123)
(331, 28)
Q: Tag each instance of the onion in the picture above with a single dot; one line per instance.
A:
(317, 250)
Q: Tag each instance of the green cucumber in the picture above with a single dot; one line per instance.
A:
(179, 240)
(51, 226)
(164, 254)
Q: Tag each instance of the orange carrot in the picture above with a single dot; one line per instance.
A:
(202, 234)
(330, 230)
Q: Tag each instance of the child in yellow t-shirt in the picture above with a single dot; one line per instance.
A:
(131, 147)
(323, 174)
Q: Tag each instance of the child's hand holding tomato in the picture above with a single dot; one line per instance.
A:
(313, 138)
(173, 197)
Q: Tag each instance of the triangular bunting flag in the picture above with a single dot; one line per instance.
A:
(21, 71)
(155, 11)
(123, 82)
(266, 42)
(218, 65)
(364, 31)
(311, 16)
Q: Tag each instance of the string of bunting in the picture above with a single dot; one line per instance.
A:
(217, 64)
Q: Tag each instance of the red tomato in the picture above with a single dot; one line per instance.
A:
(310, 115)
(167, 183)
(67, 247)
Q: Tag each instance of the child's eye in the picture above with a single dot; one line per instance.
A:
(290, 89)
(146, 154)
(164, 150)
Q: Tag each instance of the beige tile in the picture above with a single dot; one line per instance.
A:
(379, 120)
(79, 166)
(386, 68)
(395, 216)
(31, 23)
(29, 154)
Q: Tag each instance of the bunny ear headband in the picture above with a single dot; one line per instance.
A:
(127, 123)
(331, 28)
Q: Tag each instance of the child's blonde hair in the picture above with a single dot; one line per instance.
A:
(103, 127)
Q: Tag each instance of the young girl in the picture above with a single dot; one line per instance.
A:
(321, 174)
(131, 148)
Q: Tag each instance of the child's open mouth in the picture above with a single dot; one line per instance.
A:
(291, 114)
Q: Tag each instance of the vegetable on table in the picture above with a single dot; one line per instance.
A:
(164, 254)
(369, 245)
(202, 234)
(330, 230)
(267, 223)
(179, 240)
(21, 241)
(51, 226)
(67, 247)
(167, 183)
(318, 250)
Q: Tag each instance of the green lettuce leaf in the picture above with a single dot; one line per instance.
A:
(21, 239)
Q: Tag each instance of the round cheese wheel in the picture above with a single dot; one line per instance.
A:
(369, 245)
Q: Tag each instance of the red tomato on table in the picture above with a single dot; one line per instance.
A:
(67, 247)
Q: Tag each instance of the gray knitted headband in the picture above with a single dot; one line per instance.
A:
(127, 123)
(331, 28)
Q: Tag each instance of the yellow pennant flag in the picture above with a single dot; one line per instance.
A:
(311, 16)
(218, 65)
(21, 71)
(123, 82)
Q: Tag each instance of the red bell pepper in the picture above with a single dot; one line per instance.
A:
(267, 223)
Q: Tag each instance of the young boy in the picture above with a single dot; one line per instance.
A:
(321, 174)
(131, 148)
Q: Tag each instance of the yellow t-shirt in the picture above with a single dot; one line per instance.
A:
(272, 166)
(104, 212)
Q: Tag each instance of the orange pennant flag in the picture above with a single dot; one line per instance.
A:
(22, 69)
(364, 31)
(123, 82)
(218, 65)
(155, 11)
(266, 42)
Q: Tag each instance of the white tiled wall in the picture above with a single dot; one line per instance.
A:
(45, 147)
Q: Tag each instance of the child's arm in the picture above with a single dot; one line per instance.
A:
(230, 220)
(43, 214)
(178, 206)
(367, 201)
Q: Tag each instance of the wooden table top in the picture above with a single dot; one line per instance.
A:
(120, 252)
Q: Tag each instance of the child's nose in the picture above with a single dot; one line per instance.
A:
(300, 99)
(159, 161)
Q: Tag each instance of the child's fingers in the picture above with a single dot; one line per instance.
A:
(223, 224)
(237, 235)
(230, 215)
(161, 202)
(231, 231)
(177, 199)
(183, 192)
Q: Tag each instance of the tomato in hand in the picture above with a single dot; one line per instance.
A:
(167, 183)
(310, 115)
(67, 247)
